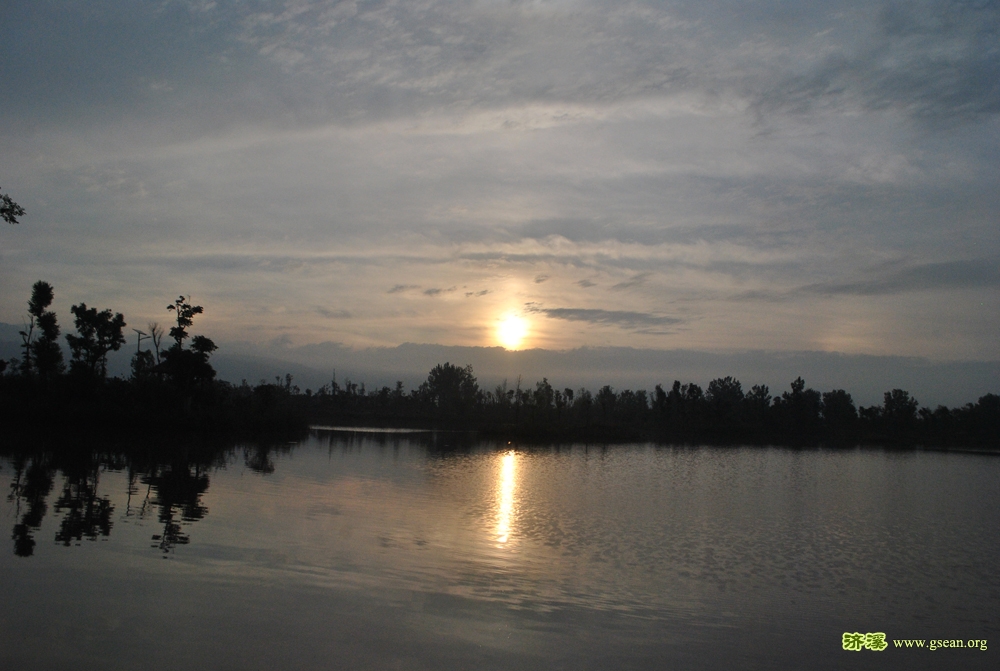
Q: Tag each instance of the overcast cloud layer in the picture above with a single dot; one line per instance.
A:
(771, 175)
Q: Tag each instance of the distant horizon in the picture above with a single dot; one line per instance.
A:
(933, 383)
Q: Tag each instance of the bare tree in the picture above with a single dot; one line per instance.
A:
(156, 333)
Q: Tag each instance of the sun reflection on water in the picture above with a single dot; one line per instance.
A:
(505, 508)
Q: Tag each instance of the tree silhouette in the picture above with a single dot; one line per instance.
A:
(451, 389)
(185, 313)
(606, 400)
(840, 417)
(99, 333)
(187, 367)
(899, 413)
(156, 334)
(798, 412)
(9, 210)
(143, 362)
(725, 399)
(42, 353)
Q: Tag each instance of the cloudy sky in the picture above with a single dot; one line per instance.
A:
(761, 175)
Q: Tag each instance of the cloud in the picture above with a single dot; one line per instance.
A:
(434, 291)
(621, 318)
(932, 60)
(969, 274)
(633, 282)
(276, 156)
(334, 314)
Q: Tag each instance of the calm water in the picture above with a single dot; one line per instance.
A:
(354, 551)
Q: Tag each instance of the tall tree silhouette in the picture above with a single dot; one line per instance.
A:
(41, 335)
(187, 367)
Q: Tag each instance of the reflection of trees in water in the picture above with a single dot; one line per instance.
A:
(85, 514)
(178, 489)
(167, 482)
(173, 492)
(258, 459)
(33, 481)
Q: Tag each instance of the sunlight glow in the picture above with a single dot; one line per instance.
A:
(505, 510)
(511, 332)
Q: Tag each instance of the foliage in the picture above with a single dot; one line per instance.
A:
(451, 389)
(42, 354)
(722, 414)
(185, 313)
(174, 391)
(186, 367)
(98, 333)
(9, 210)
(175, 396)
(840, 417)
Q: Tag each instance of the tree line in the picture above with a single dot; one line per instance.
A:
(100, 332)
(172, 387)
(721, 413)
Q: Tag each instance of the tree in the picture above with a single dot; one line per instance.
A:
(757, 411)
(142, 362)
(544, 395)
(899, 413)
(725, 397)
(452, 389)
(799, 412)
(187, 367)
(9, 210)
(839, 414)
(185, 313)
(899, 406)
(99, 333)
(156, 334)
(41, 351)
(606, 399)
(146, 363)
(143, 365)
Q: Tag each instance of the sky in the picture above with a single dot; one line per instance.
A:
(761, 176)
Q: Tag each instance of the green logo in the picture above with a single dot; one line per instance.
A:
(857, 642)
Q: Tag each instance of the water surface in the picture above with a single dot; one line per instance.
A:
(406, 551)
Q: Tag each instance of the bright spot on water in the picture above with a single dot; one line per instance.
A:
(505, 509)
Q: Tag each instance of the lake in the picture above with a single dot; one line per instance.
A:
(354, 550)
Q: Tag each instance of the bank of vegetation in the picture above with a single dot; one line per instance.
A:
(172, 390)
(721, 413)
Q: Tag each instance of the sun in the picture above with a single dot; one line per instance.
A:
(511, 332)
